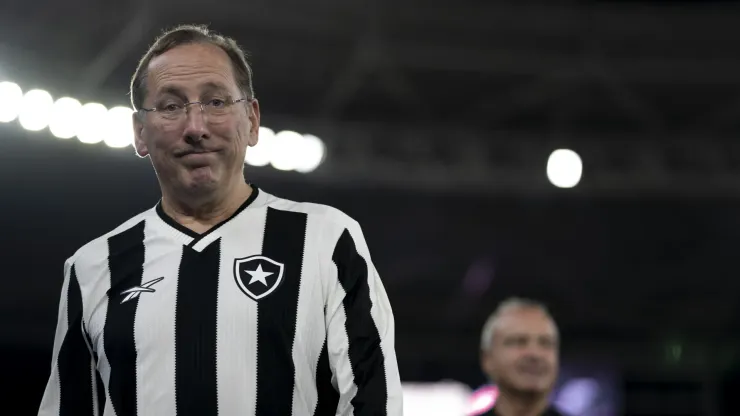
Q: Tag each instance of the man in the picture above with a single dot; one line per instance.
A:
(222, 299)
(519, 352)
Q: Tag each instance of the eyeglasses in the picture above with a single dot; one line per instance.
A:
(215, 109)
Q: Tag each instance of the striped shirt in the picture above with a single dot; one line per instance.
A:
(276, 311)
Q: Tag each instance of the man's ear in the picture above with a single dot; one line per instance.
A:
(254, 120)
(139, 144)
(487, 363)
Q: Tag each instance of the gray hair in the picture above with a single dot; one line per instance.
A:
(507, 305)
(186, 35)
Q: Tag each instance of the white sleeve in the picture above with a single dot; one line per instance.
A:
(71, 389)
(360, 327)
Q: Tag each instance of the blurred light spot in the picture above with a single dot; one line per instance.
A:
(312, 154)
(482, 400)
(478, 278)
(93, 123)
(119, 127)
(64, 118)
(10, 101)
(91, 126)
(577, 395)
(564, 168)
(260, 154)
(435, 399)
(35, 110)
(287, 150)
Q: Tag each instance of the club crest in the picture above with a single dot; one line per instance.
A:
(258, 276)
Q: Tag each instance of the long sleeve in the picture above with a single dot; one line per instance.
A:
(360, 328)
(71, 389)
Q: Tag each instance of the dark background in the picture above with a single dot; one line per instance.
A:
(438, 118)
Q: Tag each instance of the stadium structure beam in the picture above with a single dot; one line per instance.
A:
(350, 78)
(514, 22)
(453, 159)
(657, 70)
(369, 59)
(547, 18)
(97, 72)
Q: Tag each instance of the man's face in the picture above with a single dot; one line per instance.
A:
(524, 352)
(195, 153)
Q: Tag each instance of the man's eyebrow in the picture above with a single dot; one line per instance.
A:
(207, 88)
(170, 90)
(215, 86)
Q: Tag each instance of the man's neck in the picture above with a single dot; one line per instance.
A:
(512, 405)
(203, 215)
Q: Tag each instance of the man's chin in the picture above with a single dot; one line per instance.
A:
(532, 387)
(200, 176)
(198, 183)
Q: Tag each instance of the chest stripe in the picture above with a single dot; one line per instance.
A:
(284, 240)
(74, 362)
(126, 265)
(195, 331)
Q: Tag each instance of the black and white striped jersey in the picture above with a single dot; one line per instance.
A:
(276, 311)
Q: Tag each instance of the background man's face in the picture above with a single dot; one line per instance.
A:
(524, 352)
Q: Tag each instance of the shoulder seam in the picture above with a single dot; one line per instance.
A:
(131, 222)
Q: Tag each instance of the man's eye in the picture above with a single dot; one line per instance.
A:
(217, 103)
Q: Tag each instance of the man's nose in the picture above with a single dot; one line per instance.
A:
(196, 128)
(534, 350)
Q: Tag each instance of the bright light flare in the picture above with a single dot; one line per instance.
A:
(260, 154)
(65, 114)
(119, 129)
(286, 153)
(93, 123)
(564, 168)
(312, 152)
(35, 111)
(91, 126)
(11, 96)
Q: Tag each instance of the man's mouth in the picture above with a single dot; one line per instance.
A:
(533, 370)
(193, 152)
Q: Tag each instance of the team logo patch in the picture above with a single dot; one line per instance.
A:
(258, 276)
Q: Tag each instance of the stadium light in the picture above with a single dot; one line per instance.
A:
(260, 155)
(446, 398)
(94, 123)
(564, 168)
(286, 150)
(312, 154)
(65, 115)
(119, 131)
(91, 124)
(10, 95)
(35, 110)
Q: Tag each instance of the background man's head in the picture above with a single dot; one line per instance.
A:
(520, 347)
(202, 148)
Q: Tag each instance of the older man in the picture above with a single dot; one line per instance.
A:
(222, 299)
(519, 352)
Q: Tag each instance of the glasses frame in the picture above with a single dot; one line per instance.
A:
(200, 104)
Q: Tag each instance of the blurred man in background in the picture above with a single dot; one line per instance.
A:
(519, 352)
(222, 299)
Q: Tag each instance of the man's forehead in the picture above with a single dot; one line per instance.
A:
(525, 321)
(208, 65)
(204, 86)
(199, 53)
